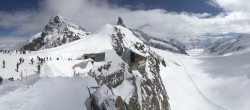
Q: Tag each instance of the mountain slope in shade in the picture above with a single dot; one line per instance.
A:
(229, 45)
(168, 44)
(57, 32)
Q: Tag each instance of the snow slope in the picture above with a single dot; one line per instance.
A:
(207, 82)
(50, 94)
(183, 92)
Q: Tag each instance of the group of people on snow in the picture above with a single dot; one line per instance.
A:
(12, 51)
(21, 61)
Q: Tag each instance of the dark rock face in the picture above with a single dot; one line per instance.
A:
(120, 22)
(57, 32)
(153, 93)
(153, 88)
(118, 42)
(134, 102)
(113, 80)
(94, 104)
(35, 44)
(120, 104)
(104, 99)
(147, 92)
(170, 45)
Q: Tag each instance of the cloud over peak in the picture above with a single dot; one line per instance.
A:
(92, 14)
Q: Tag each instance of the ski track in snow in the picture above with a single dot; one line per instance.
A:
(205, 97)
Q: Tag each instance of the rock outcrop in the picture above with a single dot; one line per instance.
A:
(104, 99)
(147, 89)
(120, 22)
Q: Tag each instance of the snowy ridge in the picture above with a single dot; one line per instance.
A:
(165, 44)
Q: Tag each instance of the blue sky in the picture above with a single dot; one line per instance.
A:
(159, 18)
(190, 6)
(14, 5)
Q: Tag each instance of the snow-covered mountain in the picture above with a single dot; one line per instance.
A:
(218, 45)
(125, 70)
(229, 45)
(168, 44)
(117, 68)
(57, 32)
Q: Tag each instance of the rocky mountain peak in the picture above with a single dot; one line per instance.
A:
(58, 19)
(58, 31)
(120, 22)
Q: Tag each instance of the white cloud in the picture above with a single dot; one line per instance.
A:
(157, 22)
(11, 42)
(232, 5)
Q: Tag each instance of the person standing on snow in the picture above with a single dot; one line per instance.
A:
(17, 66)
(1, 80)
(41, 60)
(3, 64)
(20, 60)
(32, 61)
(38, 68)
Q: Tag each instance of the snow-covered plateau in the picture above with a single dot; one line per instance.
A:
(116, 68)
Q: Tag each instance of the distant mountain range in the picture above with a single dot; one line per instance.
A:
(229, 45)
(60, 31)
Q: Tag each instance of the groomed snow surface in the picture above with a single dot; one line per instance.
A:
(58, 91)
